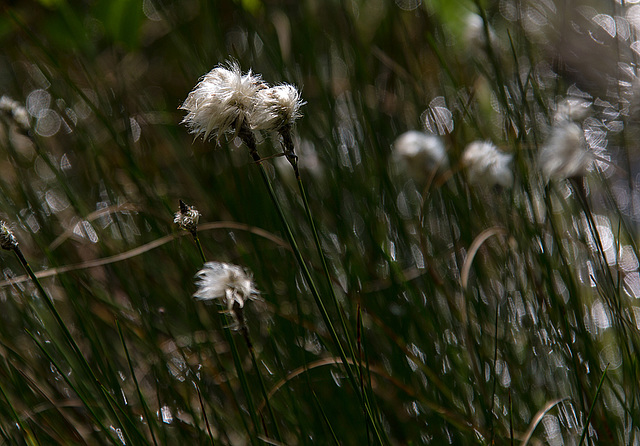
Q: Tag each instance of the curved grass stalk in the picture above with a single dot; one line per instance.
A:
(538, 417)
(145, 248)
(442, 411)
(473, 250)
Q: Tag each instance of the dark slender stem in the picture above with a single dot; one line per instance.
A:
(67, 334)
(263, 389)
(250, 142)
(204, 412)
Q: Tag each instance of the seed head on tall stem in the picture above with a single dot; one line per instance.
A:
(276, 109)
(222, 101)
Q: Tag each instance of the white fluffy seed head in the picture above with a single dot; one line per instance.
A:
(419, 153)
(486, 165)
(276, 107)
(230, 283)
(223, 99)
(565, 154)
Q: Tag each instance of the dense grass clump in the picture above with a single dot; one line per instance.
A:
(403, 222)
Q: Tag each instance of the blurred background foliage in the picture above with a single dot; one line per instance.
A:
(516, 356)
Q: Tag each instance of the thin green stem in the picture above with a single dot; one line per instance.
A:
(314, 290)
(29, 437)
(236, 357)
(143, 403)
(199, 245)
(251, 407)
(204, 413)
(65, 377)
(325, 266)
(593, 405)
(67, 334)
(263, 389)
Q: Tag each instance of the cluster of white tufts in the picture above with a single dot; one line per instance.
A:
(487, 165)
(227, 100)
(229, 283)
(565, 153)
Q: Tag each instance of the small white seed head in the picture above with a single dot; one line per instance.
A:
(486, 165)
(276, 107)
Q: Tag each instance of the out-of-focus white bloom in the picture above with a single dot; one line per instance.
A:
(225, 281)
(17, 112)
(565, 154)
(187, 217)
(572, 109)
(486, 165)
(419, 153)
(276, 107)
(8, 241)
(222, 101)
(475, 37)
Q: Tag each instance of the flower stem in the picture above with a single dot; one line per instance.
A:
(314, 290)
(199, 245)
(265, 395)
(234, 352)
(334, 297)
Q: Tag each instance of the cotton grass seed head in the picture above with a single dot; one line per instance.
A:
(486, 165)
(419, 153)
(229, 283)
(565, 154)
(572, 109)
(8, 241)
(187, 217)
(222, 101)
(276, 108)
